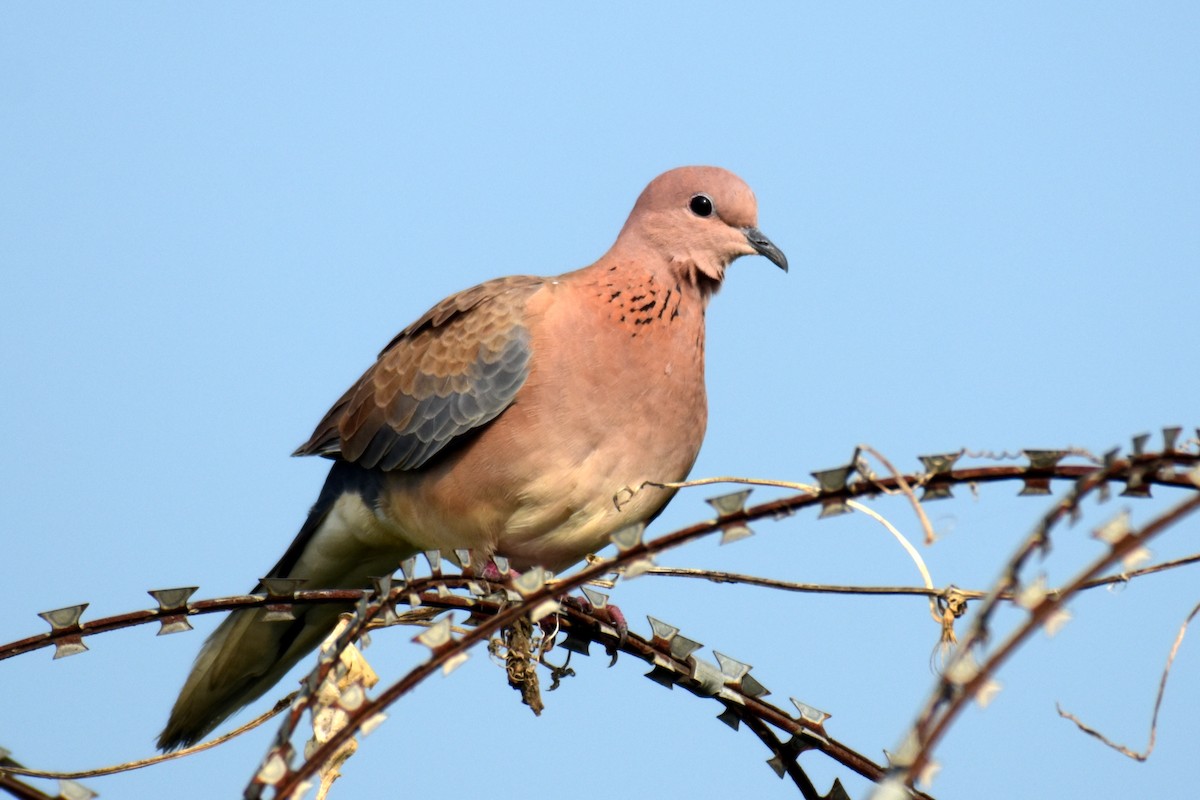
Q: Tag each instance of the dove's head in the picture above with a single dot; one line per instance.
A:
(699, 219)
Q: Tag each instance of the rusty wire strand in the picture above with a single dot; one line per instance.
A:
(853, 504)
(1162, 688)
(949, 697)
(1088, 478)
(719, 576)
(22, 790)
(421, 618)
(789, 761)
(589, 626)
(1119, 470)
(640, 552)
(218, 605)
(906, 490)
(140, 763)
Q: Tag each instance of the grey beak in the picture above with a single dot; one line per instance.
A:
(765, 247)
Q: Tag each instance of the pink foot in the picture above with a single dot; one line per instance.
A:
(491, 572)
(616, 618)
(607, 613)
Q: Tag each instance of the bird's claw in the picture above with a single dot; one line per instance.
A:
(608, 614)
(616, 618)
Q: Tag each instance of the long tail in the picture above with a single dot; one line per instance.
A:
(245, 656)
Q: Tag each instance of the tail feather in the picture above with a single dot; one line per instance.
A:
(246, 655)
(239, 663)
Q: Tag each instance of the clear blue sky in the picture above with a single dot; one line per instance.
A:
(215, 215)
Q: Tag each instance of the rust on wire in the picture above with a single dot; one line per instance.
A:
(629, 537)
(434, 557)
(381, 587)
(65, 625)
(671, 654)
(1041, 470)
(173, 608)
(966, 679)
(280, 594)
(833, 482)
(1136, 484)
(729, 505)
(463, 557)
(937, 466)
(732, 669)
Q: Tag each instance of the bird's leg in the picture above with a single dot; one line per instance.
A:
(603, 611)
(491, 572)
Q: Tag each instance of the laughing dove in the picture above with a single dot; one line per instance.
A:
(504, 421)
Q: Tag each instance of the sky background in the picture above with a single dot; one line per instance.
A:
(215, 215)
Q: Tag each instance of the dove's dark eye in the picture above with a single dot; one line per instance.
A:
(701, 205)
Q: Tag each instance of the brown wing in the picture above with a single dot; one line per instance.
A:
(453, 370)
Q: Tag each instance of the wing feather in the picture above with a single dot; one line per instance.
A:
(452, 371)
